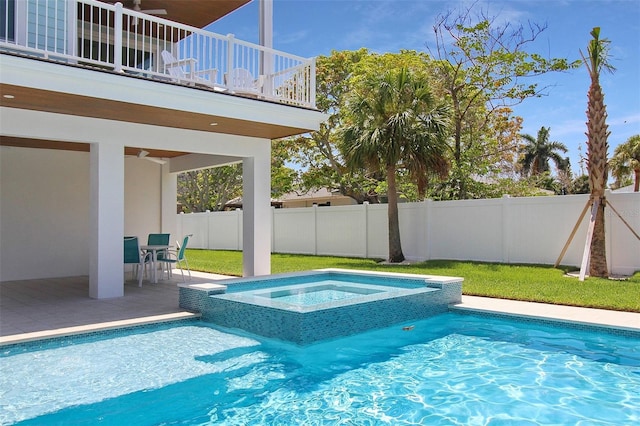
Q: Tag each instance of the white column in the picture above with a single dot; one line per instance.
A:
(106, 252)
(265, 26)
(256, 216)
(169, 202)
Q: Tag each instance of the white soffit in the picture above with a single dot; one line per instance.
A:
(72, 80)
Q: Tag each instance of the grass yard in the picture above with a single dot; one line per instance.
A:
(534, 283)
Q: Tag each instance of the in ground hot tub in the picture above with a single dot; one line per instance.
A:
(310, 306)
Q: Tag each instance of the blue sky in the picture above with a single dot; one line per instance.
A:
(316, 27)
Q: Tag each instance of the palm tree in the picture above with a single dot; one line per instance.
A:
(626, 159)
(538, 151)
(597, 134)
(395, 122)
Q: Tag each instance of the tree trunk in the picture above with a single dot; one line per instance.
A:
(395, 246)
(597, 134)
(598, 264)
(636, 180)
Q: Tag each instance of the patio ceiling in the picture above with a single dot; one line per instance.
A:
(197, 13)
(84, 106)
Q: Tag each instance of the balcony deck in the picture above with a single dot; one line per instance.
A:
(108, 37)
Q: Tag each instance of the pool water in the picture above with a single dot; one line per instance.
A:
(448, 369)
(322, 292)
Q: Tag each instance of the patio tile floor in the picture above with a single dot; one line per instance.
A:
(46, 305)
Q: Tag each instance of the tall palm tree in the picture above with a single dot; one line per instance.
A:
(395, 122)
(538, 151)
(597, 134)
(626, 159)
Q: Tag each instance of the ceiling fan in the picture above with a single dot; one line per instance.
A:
(137, 8)
(144, 155)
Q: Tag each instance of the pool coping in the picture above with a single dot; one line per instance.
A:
(89, 328)
(222, 284)
(561, 314)
(598, 318)
(259, 298)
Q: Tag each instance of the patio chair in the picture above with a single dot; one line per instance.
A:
(242, 81)
(176, 69)
(159, 240)
(177, 257)
(134, 256)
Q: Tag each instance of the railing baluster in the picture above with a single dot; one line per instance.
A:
(117, 38)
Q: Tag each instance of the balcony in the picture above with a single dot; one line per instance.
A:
(109, 37)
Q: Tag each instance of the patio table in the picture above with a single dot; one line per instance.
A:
(154, 250)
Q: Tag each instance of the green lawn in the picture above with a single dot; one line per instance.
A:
(535, 283)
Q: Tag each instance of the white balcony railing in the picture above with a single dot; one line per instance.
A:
(92, 33)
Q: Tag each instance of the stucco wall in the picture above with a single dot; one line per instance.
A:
(44, 221)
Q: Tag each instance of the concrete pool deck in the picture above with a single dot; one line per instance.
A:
(36, 309)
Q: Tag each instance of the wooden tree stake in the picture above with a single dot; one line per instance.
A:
(587, 246)
(573, 233)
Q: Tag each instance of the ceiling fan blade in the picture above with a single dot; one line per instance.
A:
(144, 155)
(137, 8)
(155, 11)
(155, 160)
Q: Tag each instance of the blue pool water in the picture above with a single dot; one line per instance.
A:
(448, 369)
(324, 291)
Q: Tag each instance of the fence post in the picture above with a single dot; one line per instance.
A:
(273, 228)
(365, 208)
(506, 225)
(428, 218)
(117, 38)
(238, 228)
(315, 229)
(207, 217)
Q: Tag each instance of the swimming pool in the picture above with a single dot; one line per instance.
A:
(448, 369)
(326, 291)
(307, 307)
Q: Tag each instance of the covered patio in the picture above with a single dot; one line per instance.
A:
(57, 306)
(72, 185)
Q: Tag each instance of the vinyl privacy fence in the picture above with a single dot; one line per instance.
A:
(508, 230)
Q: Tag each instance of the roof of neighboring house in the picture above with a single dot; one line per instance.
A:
(319, 193)
(628, 188)
(236, 203)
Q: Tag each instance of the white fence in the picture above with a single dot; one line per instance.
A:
(509, 230)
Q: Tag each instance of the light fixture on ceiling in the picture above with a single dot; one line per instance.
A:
(8, 96)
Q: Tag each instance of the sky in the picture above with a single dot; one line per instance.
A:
(311, 28)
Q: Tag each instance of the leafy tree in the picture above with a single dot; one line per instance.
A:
(395, 123)
(209, 189)
(539, 150)
(625, 161)
(597, 134)
(283, 177)
(484, 68)
(580, 185)
(321, 163)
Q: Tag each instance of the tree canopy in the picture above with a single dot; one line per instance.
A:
(393, 122)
